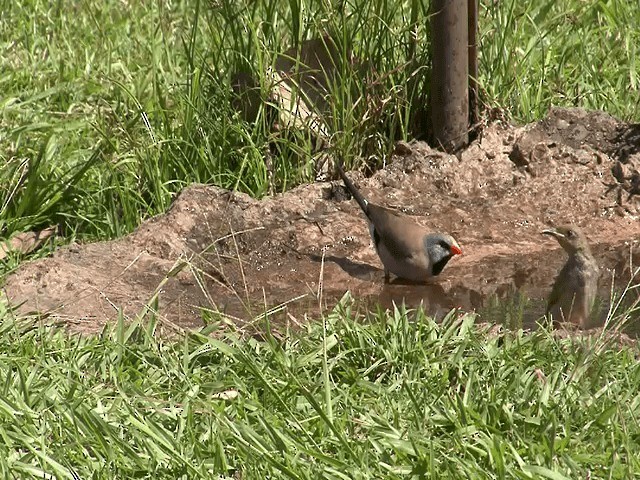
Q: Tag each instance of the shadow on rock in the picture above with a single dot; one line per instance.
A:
(361, 271)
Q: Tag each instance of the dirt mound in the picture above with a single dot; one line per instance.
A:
(216, 250)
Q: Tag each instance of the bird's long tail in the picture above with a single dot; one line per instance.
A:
(353, 190)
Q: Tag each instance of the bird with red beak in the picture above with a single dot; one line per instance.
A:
(574, 290)
(406, 249)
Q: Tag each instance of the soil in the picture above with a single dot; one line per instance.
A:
(220, 251)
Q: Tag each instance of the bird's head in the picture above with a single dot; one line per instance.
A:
(440, 248)
(569, 237)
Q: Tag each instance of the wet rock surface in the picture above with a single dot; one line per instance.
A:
(219, 251)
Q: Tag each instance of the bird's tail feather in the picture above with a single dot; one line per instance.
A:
(353, 190)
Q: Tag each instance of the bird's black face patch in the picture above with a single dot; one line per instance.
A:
(439, 252)
(445, 246)
(439, 266)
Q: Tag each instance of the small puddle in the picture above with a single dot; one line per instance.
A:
(503, 289)
(515, 309)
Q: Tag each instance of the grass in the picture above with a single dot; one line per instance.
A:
(109, 110)
(395, 396)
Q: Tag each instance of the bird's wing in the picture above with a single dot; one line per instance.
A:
(402, 237)
(565, 286)
(555, 296)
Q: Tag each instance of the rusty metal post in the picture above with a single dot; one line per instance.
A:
(450, 74)
(473, 62)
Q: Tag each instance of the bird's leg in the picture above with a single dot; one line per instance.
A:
(386, 276)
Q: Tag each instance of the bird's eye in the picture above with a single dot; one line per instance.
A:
(571, 234)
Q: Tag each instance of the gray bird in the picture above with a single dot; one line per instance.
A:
(574, 290)
(405, 248)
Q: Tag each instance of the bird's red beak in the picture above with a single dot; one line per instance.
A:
(456, 250)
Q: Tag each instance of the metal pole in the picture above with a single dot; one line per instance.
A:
(473, 62)
(450, 73)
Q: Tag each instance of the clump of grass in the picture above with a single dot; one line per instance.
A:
(150, 85)
(540, 54)
(395, 396)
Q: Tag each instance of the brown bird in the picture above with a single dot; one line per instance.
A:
(574, 290)
(405, 248)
